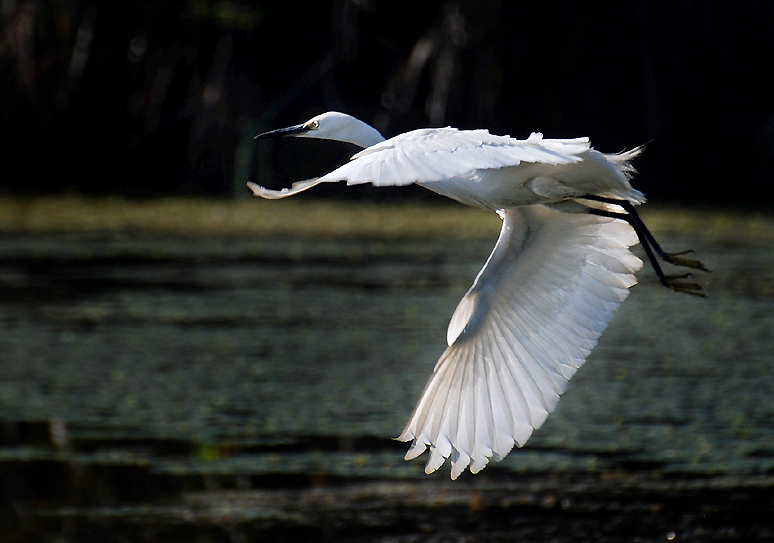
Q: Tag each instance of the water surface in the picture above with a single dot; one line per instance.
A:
(232, 389)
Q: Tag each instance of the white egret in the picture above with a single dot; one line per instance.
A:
(559, 270)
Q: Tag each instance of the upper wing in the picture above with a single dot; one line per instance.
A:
(439, 154)
(529, 321)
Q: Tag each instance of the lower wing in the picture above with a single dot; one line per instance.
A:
(533, 315)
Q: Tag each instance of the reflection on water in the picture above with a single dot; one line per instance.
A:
(234, 390)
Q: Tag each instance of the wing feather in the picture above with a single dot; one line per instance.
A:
(530, 390)
(438, 154)
(528, 323)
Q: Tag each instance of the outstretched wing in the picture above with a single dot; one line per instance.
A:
(438, 154)
(529, 321)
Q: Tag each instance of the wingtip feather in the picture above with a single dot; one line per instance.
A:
(270, 194)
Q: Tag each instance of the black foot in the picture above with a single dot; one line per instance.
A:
(679, 283)
(678, 260)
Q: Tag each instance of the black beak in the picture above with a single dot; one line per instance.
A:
(289, 131)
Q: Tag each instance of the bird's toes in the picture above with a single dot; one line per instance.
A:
(682, 283)
(677, 259)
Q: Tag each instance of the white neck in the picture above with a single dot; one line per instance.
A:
(342, 127)
(361, 134)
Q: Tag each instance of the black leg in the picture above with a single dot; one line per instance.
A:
(673, 258)
(678, 283)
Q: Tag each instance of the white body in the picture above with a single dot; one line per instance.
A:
(545, 295)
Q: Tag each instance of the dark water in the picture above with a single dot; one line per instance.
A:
(173, 389)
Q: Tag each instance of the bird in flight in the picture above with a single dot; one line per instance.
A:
(559, 270)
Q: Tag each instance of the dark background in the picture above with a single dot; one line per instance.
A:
(145, 99)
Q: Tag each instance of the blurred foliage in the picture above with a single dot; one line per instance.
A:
(161, 98)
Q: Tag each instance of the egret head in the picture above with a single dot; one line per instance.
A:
(331, 126)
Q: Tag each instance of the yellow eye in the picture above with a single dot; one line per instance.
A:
(312, 125)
